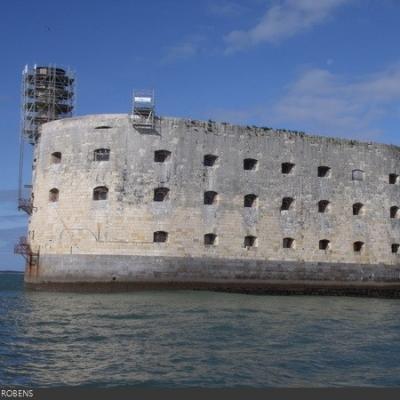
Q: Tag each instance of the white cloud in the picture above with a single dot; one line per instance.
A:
(283, 20)
(184, 50)
(226, 8)
(322, 102)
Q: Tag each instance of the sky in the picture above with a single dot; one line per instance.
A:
(329, 67)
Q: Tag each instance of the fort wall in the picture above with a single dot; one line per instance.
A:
(357, 223)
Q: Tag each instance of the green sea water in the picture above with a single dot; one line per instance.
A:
(195, 339)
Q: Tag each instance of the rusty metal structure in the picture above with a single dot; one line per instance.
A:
(48, 93)
(24, 249)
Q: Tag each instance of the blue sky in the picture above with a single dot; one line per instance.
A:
(330, 67)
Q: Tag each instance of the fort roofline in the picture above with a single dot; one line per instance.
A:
(219, 126)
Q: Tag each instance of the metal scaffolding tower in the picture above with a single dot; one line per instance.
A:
(47, 95)
(143, 110)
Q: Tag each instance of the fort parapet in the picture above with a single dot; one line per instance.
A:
(210, 205)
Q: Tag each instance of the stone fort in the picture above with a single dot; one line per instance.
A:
(208, 205)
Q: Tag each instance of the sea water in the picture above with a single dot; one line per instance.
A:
(195, 339)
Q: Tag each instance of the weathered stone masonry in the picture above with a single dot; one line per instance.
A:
(261, 204)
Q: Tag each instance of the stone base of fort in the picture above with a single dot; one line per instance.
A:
(108, 273)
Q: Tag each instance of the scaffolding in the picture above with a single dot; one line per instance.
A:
(47, 95)
(143, 110)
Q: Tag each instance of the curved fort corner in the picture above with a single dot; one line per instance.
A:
(212, 205)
